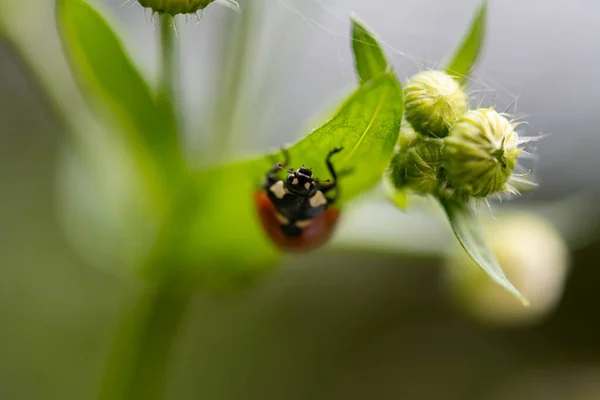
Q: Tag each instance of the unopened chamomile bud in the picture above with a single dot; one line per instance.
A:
(418, 167)
(407, 135)
(174, 7)
(433, 102)
(480, 153)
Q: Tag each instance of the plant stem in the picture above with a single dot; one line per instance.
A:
(167, 97)
(138, 364)
(168, 30)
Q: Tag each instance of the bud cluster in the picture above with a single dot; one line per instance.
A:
(446, 149)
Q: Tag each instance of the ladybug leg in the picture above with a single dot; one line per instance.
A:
(332, 186)
(271, 177)
(330, 165)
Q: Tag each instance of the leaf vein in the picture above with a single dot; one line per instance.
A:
(383, 97)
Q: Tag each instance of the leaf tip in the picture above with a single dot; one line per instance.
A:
(466, 55)
(370, 60)
(515, 292)
(524, 301)
(358, 27)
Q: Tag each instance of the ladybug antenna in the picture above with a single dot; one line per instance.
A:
(322, 180)
(290, 170)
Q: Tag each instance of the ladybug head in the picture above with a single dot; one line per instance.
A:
(301, 182)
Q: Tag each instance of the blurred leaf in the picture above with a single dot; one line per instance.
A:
(112, 84)
(370, 62)
(468, 231)
(467, 53)
(219, 233)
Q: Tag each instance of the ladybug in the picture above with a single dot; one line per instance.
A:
(297, 212)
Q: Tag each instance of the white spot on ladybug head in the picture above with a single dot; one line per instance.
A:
(318, 199)
(307, 185)
(278, 189)
(295, 181)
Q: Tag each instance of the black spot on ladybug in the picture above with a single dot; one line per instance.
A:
(297, 213)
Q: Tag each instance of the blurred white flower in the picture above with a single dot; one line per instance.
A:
(534, 257)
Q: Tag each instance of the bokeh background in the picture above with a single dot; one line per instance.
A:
(370, 317)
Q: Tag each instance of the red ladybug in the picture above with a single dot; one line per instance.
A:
(297, 213)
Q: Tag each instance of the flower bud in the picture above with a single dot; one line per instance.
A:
(480, 153)
(407, 135)
(533, 256)
(433, 102)
(175, 7)
(418, 166)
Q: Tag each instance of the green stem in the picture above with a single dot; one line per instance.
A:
(138, 364)
(167, 97)
(168, 58)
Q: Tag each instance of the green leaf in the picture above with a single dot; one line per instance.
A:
(219, 232)
(366, 127)
(468, 231)
(466, 55)
(111, 82)
(370, 62)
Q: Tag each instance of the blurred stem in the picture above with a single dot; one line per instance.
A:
(138, 365)
(167, 94)
(168, 30)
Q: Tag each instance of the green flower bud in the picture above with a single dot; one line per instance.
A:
(175, 7)
(407, 135)
(433, 102)
(480, 153)
(418, 166)
(534, 257)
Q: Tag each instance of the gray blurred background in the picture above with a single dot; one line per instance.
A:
(335, 324)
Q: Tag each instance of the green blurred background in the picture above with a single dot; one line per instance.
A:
(349, 321)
